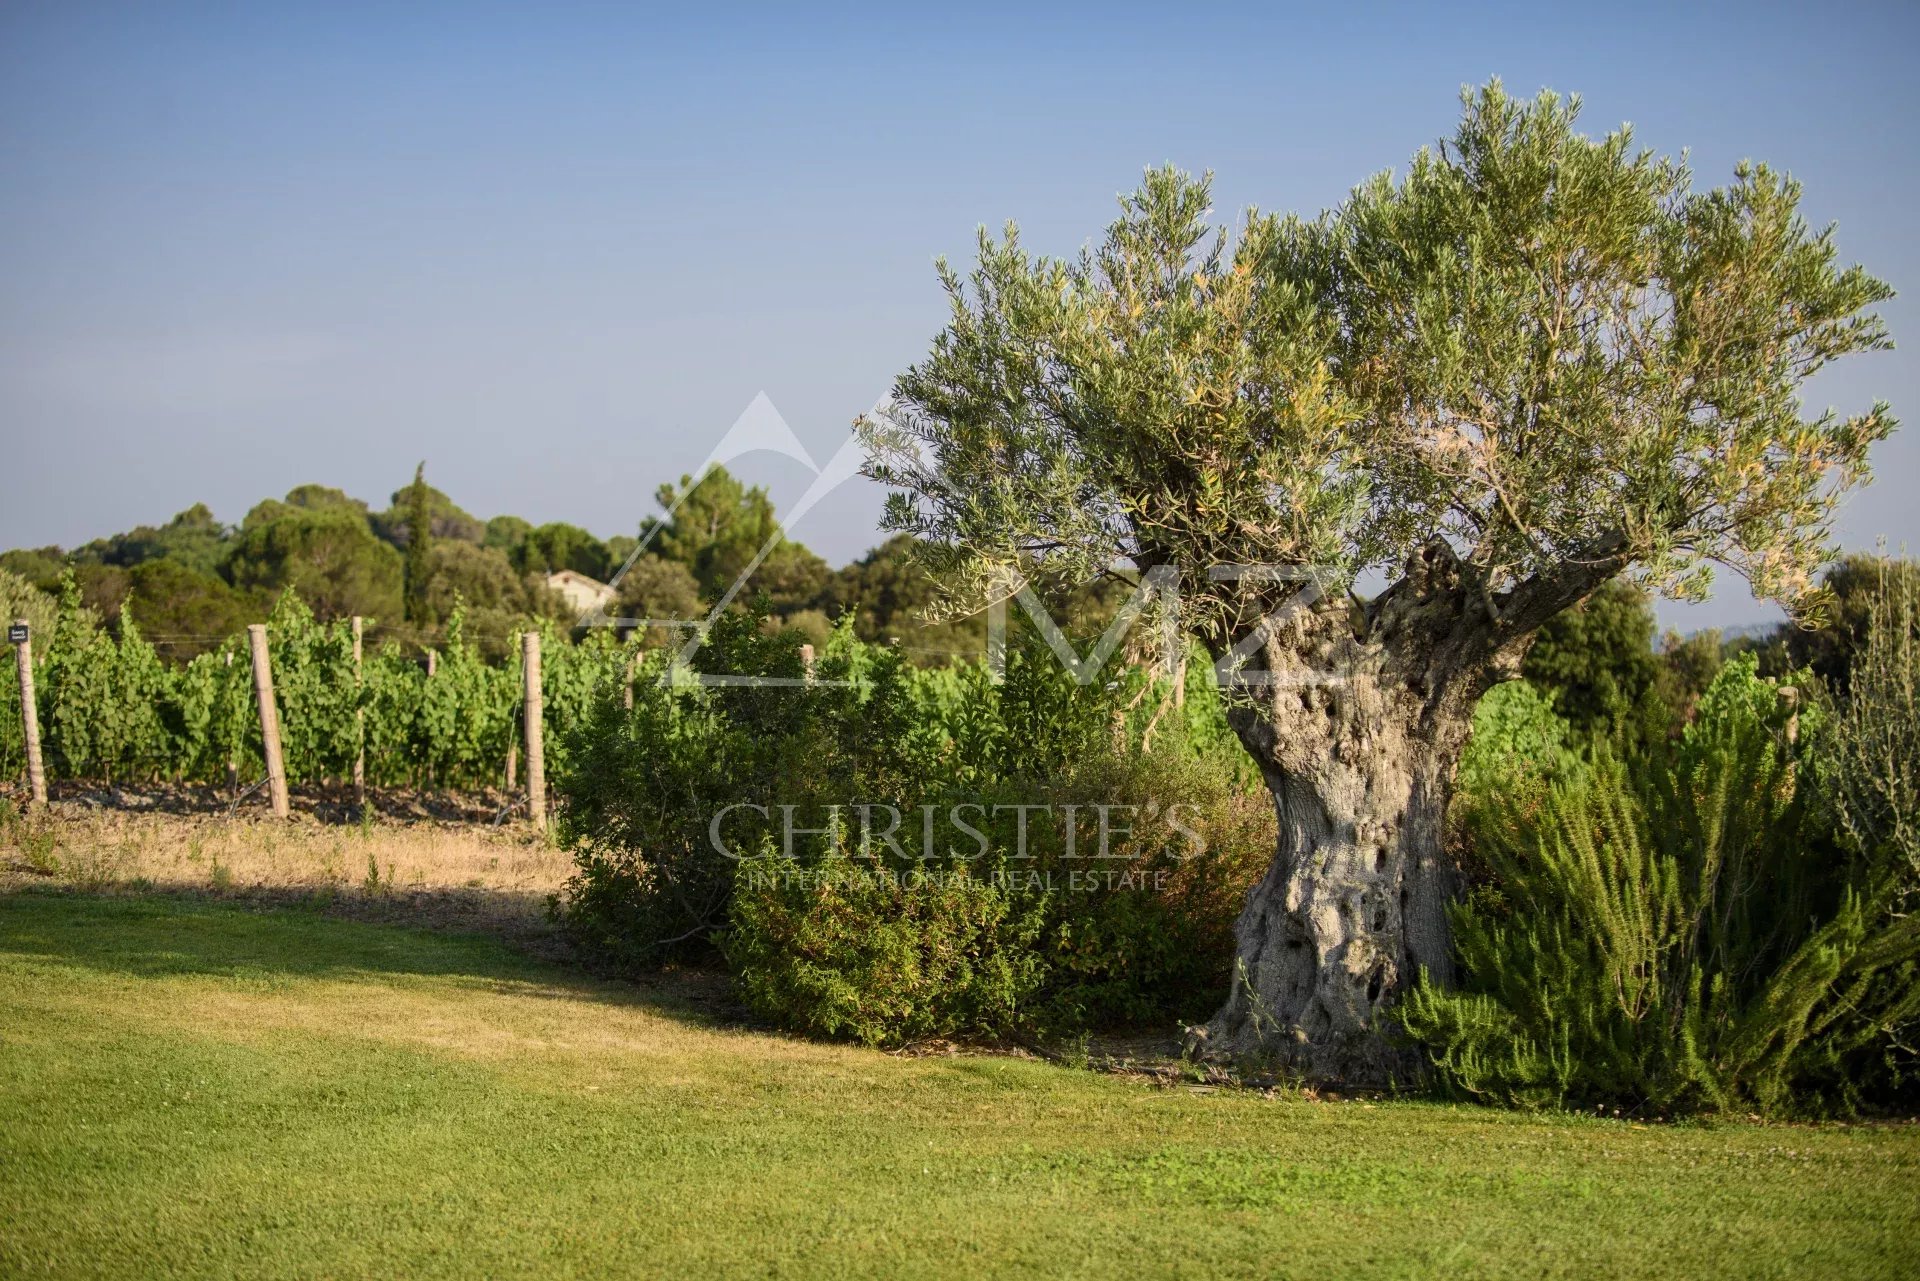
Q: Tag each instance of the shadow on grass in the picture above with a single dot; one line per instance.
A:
(293, 935)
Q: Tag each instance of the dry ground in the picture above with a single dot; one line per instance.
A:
(403, 864)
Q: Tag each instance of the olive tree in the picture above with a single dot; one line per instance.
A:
(1533, 362)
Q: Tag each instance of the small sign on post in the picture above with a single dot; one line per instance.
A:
(20, 635)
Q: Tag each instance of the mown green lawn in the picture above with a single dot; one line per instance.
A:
(194, 1090)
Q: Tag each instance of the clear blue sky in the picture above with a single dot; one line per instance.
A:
(556, 250)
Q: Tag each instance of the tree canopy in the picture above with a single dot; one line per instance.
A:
(557, 545)
(192, 538)
(329, 555)
(715, 526)
(1529, 364)
(1597, 658)
(184, 611)
(1548, 352)
(418, 545)
(445, 519)
(1850, 589)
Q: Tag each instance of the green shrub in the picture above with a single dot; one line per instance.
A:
(1596, 663)
(1674, 933)
(884, 957)
(1144, 937)
(1872, 774)
(643, 785)
(1139, 936)
(898, 949)
(1518, 746)
(1875, 744)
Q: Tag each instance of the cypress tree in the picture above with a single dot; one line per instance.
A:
(419, 547)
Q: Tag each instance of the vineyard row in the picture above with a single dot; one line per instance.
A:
(110, 708)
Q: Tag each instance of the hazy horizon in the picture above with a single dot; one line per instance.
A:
(557, 253)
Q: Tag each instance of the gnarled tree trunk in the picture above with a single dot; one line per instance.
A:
(1357, 737)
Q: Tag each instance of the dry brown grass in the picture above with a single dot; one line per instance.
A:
(447, 875)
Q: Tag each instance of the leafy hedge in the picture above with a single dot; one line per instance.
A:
(883, 959)
(841, 934)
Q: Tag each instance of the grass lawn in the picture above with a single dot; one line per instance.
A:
(190, 1089)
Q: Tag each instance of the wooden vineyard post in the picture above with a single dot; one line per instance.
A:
(21, 634)
(806, 663)
(359, 725)
(269, 719)
(536, 765)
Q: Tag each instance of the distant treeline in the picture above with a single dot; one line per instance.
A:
(193, 581)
